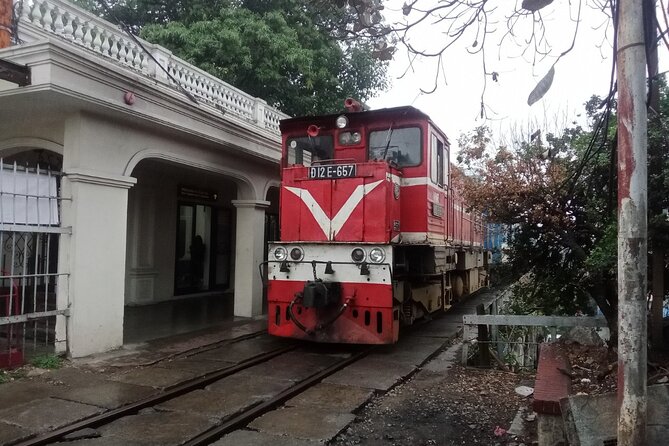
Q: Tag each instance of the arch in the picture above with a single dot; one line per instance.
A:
(12, 146)
(269, 185)
(247, 191)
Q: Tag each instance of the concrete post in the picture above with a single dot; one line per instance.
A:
(162, 56)
(632, 225)
(250, 244)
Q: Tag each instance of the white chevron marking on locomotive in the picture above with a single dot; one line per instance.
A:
(343, 214)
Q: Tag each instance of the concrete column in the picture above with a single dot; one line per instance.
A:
(94, 255)
(250, 244)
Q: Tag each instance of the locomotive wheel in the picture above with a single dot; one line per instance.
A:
(458, 287)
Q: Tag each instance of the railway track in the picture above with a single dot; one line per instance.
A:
(287, 382)
(227, 424)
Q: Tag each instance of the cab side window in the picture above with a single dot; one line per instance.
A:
(305, 149)
(437, 162)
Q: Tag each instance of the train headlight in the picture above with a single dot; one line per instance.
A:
(358, 255)
(377, 255)
(342, 122)
(296, 254)
(280, 253)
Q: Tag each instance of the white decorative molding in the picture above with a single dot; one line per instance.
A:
(29, 142)
(258, 204)
(99, 178)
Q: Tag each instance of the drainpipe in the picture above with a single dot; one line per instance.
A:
(6, 23)
(632, 225)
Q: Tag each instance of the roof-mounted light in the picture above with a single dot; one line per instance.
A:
(342, 122)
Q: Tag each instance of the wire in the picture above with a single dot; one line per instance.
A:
(134, 38)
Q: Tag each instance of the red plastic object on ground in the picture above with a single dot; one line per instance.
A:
(11, 352)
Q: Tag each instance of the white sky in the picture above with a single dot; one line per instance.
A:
(455, 105)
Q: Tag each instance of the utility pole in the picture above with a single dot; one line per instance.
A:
(5, 22)
(632, 225)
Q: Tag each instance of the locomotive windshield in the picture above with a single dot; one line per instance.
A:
(306, 149)
(399, 145)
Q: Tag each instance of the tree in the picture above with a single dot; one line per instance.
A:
(537, 32)
(287, 52)
(558, 193)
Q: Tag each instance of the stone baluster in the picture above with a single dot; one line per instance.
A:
(104, 47)
(36, 14)
(88, 37)
(137, 60)
(47, 19)
(219, 96)
(58, 21)
(129, 55)
(113, 47)
(79, 32)
(185, 79)
(68, 29)
(199, 85)
(97, 41)
(177, 74)
(26, 9)
(123, 50)
(203, 87)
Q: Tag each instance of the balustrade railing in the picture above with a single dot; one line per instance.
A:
(71, 23)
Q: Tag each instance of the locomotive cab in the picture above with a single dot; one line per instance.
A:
(368, 227)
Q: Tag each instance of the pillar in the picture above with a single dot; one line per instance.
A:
(94, 256)
(250, 244)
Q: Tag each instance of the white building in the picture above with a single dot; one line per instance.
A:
(162, 197)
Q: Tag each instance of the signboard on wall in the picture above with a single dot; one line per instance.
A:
(195, 193)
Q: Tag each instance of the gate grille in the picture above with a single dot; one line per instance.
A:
(29, 276)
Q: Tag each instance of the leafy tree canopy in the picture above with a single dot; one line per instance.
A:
(287, 52)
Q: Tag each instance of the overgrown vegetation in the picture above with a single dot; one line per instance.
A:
(557, 194)
(48, 361)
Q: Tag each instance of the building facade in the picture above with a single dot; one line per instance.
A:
(165, 177)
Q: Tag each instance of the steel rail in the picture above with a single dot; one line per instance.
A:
(245, 417)
(205, 348)
(183, 388)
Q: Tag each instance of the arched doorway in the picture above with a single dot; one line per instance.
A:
(180, 250)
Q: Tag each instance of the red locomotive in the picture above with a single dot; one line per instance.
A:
(373, 233)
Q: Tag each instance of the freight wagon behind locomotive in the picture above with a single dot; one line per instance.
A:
(373, 232)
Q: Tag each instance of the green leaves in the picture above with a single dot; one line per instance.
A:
(277, 51)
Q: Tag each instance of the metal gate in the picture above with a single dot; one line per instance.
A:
(30, 279)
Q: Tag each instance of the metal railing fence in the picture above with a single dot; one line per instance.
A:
(30, 234)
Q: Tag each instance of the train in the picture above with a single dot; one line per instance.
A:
(374, 235)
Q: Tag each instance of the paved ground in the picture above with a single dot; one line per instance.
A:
(85, 388)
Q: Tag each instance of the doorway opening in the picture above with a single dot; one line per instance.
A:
(203, 249)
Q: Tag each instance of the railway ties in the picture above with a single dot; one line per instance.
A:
(244, 395)
(211, 405)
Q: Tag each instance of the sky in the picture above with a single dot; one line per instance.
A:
(455, 105)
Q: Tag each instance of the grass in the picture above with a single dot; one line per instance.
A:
(10, 375)
(47, 361)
